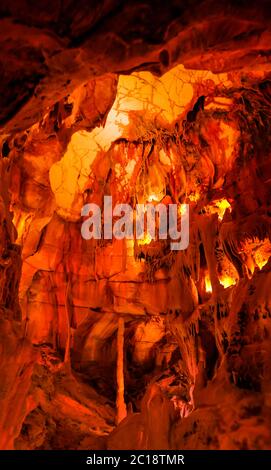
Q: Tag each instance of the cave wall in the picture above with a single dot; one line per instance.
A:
(17, 355)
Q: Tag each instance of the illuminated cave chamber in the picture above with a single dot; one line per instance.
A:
(125, 343)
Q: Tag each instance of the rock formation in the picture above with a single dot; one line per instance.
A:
(125, 343)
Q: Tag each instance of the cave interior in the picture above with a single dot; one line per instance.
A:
(125, 343)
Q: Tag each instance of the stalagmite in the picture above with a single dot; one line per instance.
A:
(120, 402)
(67, 355)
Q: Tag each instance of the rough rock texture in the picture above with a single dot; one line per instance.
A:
(196, 323)
(48, 50)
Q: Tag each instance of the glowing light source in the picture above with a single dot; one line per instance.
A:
(146, 240)
(194, 197)
(153, 198)
(208, 285)
(218, 207)
(227, 281)
(182, 209)
(261, 263)
(222, 206)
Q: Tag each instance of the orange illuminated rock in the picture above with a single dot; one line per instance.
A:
(126, 344)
